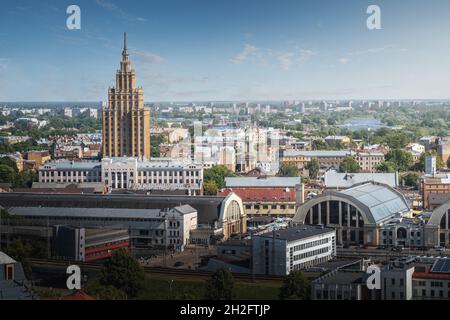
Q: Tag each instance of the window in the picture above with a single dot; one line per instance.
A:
(10, 272)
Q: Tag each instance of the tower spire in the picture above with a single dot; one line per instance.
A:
(125, 49)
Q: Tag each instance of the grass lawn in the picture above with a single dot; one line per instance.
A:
(159, 289)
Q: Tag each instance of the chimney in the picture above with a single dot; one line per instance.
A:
(299, 194)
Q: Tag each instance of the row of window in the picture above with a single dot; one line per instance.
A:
(308, 264)
(311, 253)
(270, 206)
(310, 244)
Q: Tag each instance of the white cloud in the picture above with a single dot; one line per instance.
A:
(248, 52)
(148, 57)
(285, 60)
(288, 59)
(385, 49)
(114, 8)
(344, 60)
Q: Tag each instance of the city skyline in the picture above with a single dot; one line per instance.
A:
(212, 51)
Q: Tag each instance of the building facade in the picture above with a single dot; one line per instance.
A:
(127, 174)
(217, 216)
(126, 121)
(267, 196)
(283, 251)
(435, 191)
(357, 213)
(148, 228)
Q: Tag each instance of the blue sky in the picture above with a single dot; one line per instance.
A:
(186, 50)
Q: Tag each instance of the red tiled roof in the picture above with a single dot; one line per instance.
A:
(76, 296)
(429, 275)
(261, 194)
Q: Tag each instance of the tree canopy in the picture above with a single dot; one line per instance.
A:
(218, 175)
(402, 159)
(313, 168)
(349, 165)
(295, 286)
(288, 170)
(220, 286)
(124, 273)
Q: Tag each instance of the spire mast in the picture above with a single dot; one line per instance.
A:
(125, 48)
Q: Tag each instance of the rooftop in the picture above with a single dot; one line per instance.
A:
(342, 277)
(94, 212)
(208, 207)
(381, 200)
(263, 194)
(258, 182)
(5, 259)
(297, 232)
(318, 153)
(333, 179)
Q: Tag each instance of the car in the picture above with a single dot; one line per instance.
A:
(178, 264)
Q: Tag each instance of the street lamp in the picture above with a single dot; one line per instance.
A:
(170, 289)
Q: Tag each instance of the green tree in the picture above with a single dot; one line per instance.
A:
(349, 165)
(218, 175)
(411, 180)
(9, 162)
(313, 168)
(21, 252)
(7, 174)
(295, 286)
(210, 188)
(123, 272)
(220, 286)
(288, 170)
(387, 167)
(402, 159)
(108, 292)
(448, 163)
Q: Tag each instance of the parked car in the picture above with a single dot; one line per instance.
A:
(178, 264)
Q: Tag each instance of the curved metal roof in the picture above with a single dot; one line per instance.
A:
(381, 200)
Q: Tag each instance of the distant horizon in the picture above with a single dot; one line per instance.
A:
(241, 101)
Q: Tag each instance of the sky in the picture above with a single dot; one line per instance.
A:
(223, 50)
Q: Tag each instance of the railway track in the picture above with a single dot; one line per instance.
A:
(155, 270)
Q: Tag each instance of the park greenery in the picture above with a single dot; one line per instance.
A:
(121, 277)
(288, 170)
(220, 286)
(214, 179)
(295, 287)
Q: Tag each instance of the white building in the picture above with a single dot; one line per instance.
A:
(128, 173)
(131, 173)
(300, 247)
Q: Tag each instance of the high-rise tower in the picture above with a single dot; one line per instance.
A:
(126, 121)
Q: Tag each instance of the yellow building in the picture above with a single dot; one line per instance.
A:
(126, 121)
(40, 157)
